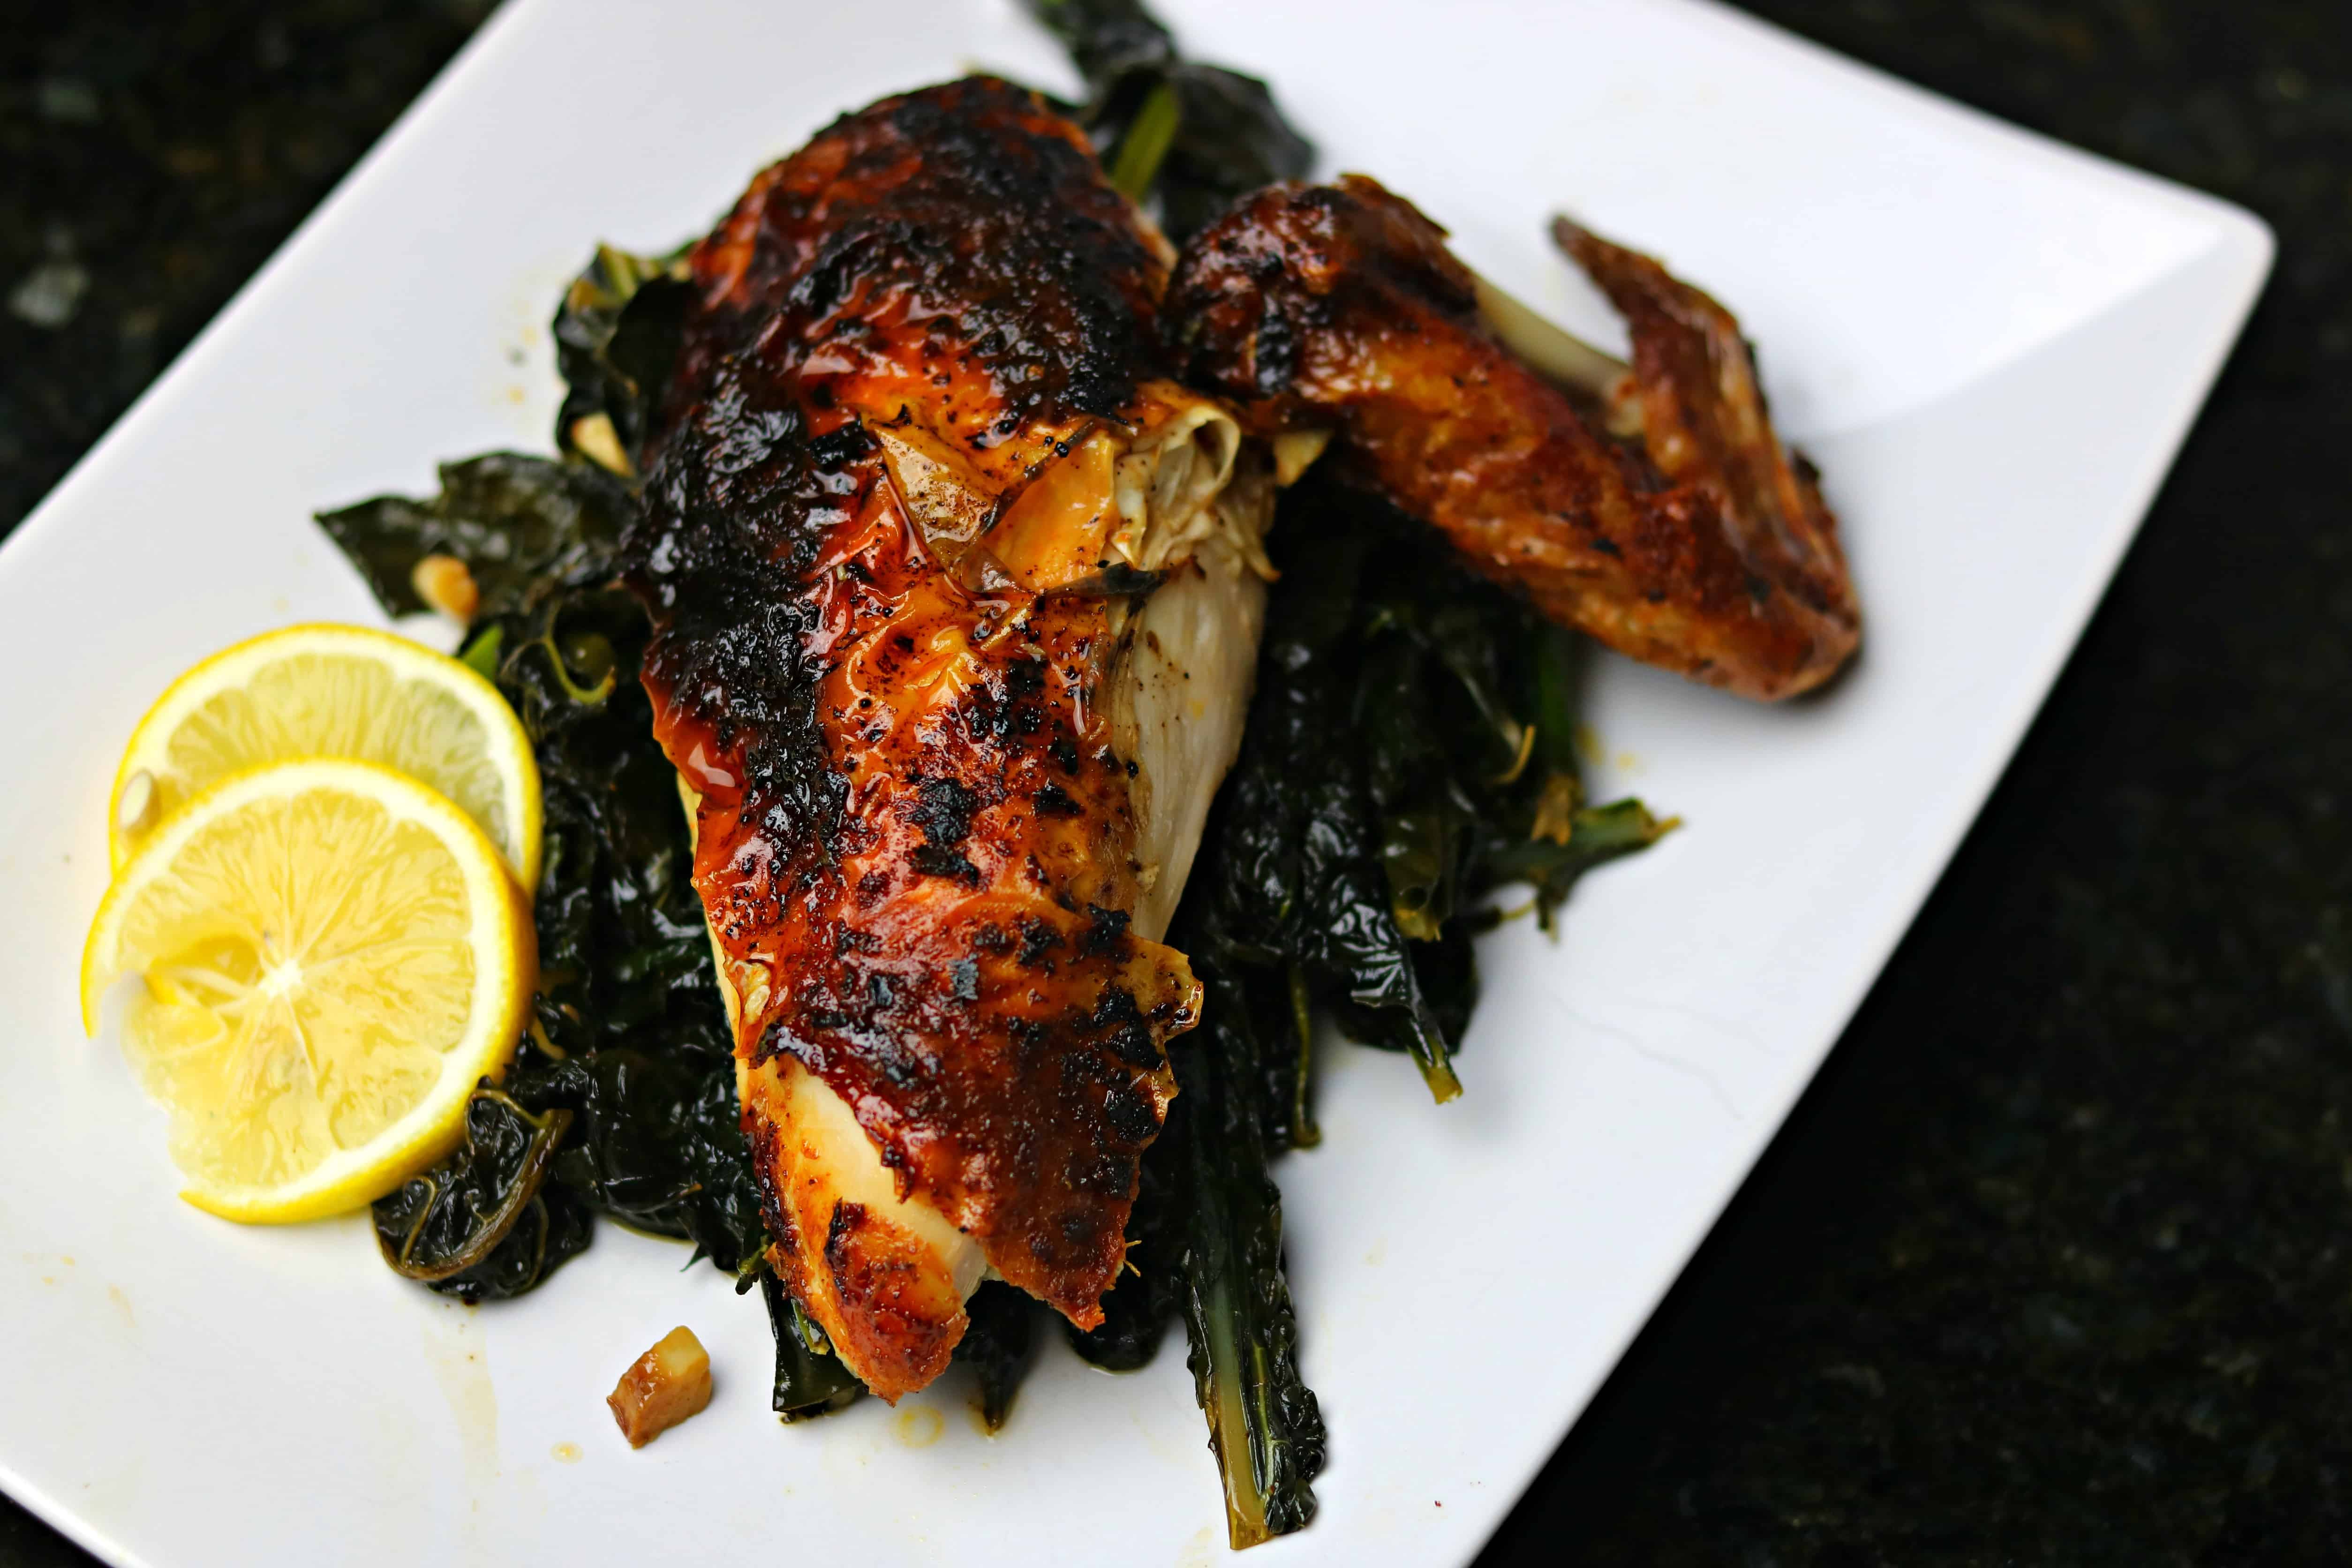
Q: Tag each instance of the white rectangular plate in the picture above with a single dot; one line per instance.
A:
(1990, 345)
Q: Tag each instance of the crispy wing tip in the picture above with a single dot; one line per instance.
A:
(1705, 423)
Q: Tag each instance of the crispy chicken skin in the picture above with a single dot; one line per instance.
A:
(920, 478)
(1705, 550)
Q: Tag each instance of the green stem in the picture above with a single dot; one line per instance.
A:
(1435, 1062)
(1145, 146)
(481, 655)
(1303, 1133)
(587, 696)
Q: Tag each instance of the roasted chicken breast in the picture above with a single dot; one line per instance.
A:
(1657, 511)
(956, 597)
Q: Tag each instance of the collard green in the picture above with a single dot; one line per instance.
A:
(615, 336)
(1188, 136)
(810, 1379)
(996, 1346)
(1264, 1424)
(483, 1224)
(525, 528)
(1409, 750)
(1291, 872)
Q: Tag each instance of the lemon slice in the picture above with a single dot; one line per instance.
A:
(334, 691)
(333, 955)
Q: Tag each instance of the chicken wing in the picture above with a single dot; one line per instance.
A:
(956, 597)
(1707, 548)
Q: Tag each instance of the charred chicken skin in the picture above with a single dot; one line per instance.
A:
(1657, 511)
(956, 597)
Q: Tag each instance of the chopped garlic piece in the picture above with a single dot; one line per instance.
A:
(666, 1385)
(445, 585)
(600, 444)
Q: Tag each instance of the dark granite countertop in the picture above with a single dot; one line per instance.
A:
(2051, 1265)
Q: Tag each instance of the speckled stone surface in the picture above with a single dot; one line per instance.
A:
(2052, 1264)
